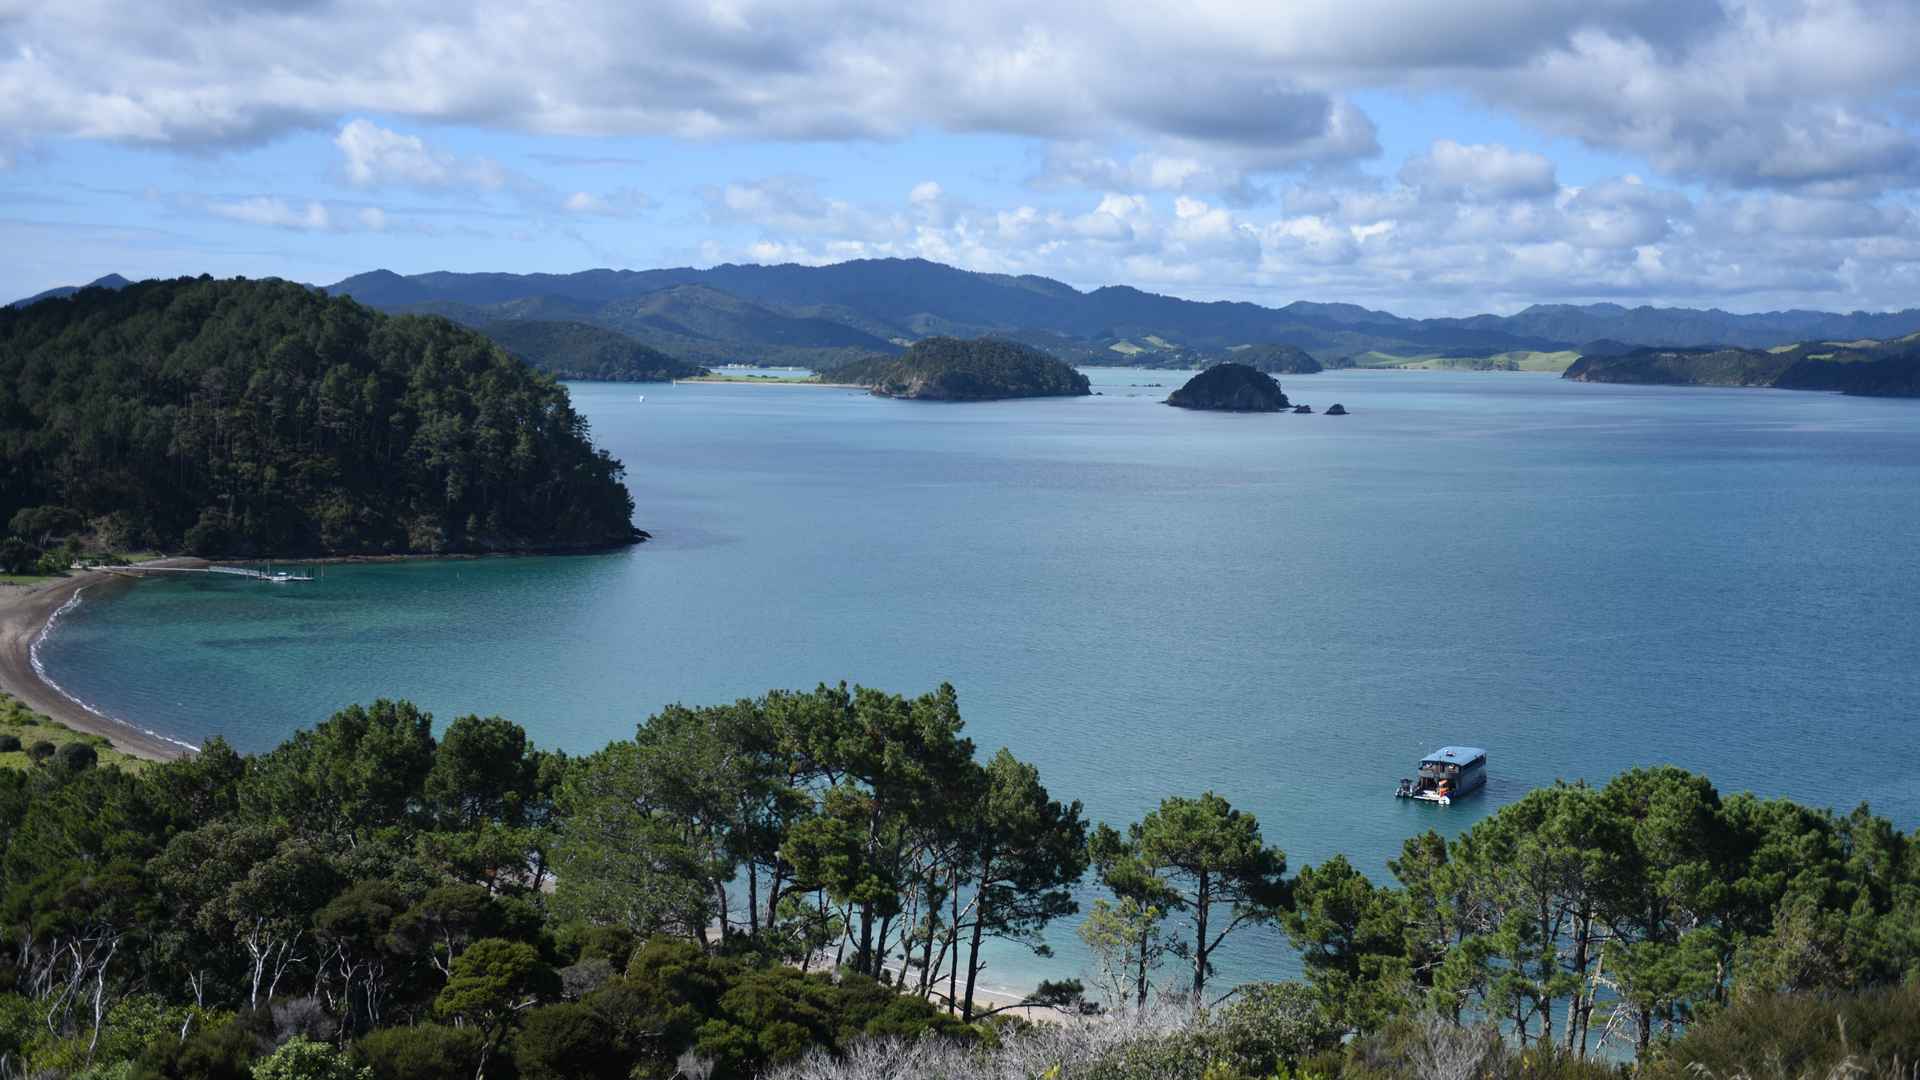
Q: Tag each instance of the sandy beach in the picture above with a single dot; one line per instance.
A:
(24, 611)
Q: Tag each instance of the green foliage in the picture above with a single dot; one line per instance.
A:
(568, 1042)
(420, 1052)
(1230, 387)
(853, 853)
(222, 1051)
(301, 1058)
(1275, 358)
(255, 418)
(574, 350)
(1202, 857)
(1786, 1036)
(18, 556)
(76, 756)
(949, 369)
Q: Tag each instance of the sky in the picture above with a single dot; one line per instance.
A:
(1426, 158)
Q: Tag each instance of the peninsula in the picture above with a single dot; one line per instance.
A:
(949, 369)
(577, 350)
(262, 418)
(1865, 368)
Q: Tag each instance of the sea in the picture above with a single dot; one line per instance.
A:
(1288, 610)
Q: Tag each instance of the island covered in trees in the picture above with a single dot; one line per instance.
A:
(949, 369)
(802, 886)
(262, 418)
(1231, 388)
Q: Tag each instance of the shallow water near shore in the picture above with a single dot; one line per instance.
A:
(1145, 601)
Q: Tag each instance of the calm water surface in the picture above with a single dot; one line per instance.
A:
(1144, 601)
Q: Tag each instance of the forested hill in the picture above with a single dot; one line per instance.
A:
(573, 350)
(244, 418)
(1867, 368)
(948, 369)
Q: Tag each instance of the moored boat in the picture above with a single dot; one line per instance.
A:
(1445, 774)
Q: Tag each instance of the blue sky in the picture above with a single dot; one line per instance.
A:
(1428, 159)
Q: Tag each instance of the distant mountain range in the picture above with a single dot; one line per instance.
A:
(826, 315)
(790, 313)
(111, 281)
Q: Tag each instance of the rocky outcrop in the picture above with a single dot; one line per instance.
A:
(1336, 409)
(1230, 388)
(1303, 408)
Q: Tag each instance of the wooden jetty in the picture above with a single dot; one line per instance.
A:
(274, 576)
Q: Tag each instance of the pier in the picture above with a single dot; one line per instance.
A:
(275, 576)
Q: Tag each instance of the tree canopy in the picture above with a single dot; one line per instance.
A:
(264, 418)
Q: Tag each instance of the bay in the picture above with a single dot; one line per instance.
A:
(1146, 601)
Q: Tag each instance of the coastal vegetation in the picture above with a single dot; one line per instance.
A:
(256, 418)
(581, 351)
(1231, 388)
(1274, 358)
(28, 739)
(949, 369)
(1867, 368)
(800, 884)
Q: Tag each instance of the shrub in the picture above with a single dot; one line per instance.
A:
(9, 744)
(303, 1059)
(568, 1042)
(1270, 1027)
(217, 1052)
(421, 1052)
(40, 751)
(76, 756)
(1792, 1035)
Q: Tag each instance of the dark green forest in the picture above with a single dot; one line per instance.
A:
(1868, 368)
(802, 885)
(949, 369)
(576, 350)
(254, 418)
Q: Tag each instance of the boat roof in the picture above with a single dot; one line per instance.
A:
(1456, 755)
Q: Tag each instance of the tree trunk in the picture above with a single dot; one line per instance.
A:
(973, 965)
(1202, 897)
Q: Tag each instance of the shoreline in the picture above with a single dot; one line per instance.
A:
(26, 614)
(769, 381)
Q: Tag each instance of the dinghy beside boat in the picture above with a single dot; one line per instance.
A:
(1446, 774)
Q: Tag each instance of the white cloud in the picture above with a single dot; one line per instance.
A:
(378, 157)
(309, 215)
(1485, 172)
(1767, 93)
(1431, 244)
(278, 213)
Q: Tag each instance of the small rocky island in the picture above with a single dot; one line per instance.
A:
(950, 369)
(1231, 388)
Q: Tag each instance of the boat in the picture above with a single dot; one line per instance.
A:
(1446, 774)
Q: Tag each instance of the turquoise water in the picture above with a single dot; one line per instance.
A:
(1144, 601)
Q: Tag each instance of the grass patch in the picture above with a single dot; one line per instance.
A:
(28, 579)
(31, 727)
